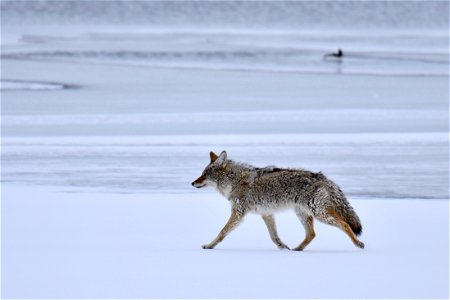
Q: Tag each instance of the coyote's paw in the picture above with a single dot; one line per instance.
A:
(360, 245)
(208, 246)
(299, 248)
(282, 246)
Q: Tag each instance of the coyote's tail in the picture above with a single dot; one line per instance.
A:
(342, 207)
(352, 219)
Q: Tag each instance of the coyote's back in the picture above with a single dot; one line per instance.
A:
(270, 189)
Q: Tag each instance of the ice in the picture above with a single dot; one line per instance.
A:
(24, 85)
(138, 130)
(385, 165)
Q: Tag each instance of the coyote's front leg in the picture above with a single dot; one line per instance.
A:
(234, 220)
(270, 223)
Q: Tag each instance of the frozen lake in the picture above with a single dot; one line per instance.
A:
(144, 130)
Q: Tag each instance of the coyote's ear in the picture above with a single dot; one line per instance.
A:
(213, 156)
(222, 158)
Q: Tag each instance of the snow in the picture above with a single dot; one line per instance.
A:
(101, 245)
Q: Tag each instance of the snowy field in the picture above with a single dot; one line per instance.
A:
(105, 126)
(110, 245)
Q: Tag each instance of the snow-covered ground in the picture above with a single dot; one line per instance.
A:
(105, 127)
(112, 245)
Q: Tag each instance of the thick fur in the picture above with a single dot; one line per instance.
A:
(268, 190)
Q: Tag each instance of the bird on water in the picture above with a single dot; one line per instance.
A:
(339, 54)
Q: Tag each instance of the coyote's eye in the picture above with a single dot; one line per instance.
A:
(207, 172)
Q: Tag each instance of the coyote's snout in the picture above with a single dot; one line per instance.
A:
(267, 190)
(199, 182)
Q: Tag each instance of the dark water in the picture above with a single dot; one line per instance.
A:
(235, 14)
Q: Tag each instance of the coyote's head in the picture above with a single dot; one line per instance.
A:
(213, 171)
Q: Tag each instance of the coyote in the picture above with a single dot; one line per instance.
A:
(267, 190)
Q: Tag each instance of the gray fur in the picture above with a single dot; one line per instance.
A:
(268, 190)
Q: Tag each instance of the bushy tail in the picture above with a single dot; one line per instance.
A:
(352, 219)
(356, 228)
(343, 207)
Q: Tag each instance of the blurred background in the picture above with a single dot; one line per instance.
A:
(382, 37)
(132, 95)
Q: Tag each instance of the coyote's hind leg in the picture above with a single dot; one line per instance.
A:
(308, 224)
(270, 223)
